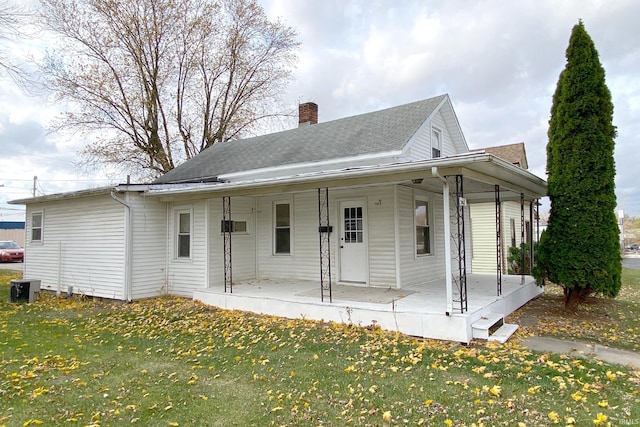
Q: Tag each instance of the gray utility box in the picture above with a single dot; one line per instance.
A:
(24, 290)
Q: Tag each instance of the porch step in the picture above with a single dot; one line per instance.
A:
(488, 323)
(503, 333)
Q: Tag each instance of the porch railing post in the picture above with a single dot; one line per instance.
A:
(447, 246)
(324, 233)
(522, 238)
(498, 241)
(226, 233)
(530, 236)
(537, 220)
(461, 242)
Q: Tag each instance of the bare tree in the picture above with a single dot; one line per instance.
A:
(12, 20)
(161, 80)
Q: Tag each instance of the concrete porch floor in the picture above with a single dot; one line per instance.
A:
(418, 310)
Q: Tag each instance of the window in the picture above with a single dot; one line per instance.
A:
(282, 236)
(353, 225)
(512, 226)
(233, 226)
(423, 230)
(184, 234)
(36, 227)
(436, 143)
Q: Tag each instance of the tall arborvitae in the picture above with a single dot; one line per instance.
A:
(580, 250)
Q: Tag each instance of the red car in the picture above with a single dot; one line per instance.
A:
(11, 251)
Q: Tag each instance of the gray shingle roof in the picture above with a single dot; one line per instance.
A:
(377, 132)
(513, 153)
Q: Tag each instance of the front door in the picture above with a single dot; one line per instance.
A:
(353, 243)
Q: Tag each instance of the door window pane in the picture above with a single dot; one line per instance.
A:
(353, 225)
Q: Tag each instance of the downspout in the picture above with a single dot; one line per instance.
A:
(447, 239)
(127, 246)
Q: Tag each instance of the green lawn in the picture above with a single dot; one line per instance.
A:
(170, 361)
(611, 322)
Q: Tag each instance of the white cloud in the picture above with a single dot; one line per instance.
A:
(498, 60)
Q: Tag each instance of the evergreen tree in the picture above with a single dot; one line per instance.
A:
(580, 249)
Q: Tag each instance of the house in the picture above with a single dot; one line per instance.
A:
(512, 230)
(362, 219)
(12, 230)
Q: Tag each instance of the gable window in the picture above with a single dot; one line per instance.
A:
(184, 234)
(282, 233)
(36, 227)
(436, 143)
(423, 227)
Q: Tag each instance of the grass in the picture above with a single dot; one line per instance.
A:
(611, 322)
(173, 362)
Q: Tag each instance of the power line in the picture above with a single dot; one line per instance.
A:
(57, 180)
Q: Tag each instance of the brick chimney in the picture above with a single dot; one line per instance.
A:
(307, 114)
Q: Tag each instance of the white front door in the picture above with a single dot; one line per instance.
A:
(353, 243)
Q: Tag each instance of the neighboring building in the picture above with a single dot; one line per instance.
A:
(360, 220)
(509, 213)
(12, 230)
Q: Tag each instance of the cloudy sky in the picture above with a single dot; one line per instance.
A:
(499, 62)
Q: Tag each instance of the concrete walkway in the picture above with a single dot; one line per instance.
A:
(580, 349)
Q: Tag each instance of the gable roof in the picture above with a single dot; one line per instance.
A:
(384, 131)
(512, 153)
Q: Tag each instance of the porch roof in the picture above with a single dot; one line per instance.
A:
(482, 170)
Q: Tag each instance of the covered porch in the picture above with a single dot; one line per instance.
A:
(415, 310)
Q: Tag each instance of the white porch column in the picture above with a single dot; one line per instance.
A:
(447, 246)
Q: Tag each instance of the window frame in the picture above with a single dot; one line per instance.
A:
(276, 227)
(436, 135)
(429, 226)
(40, 227)
(178, 233)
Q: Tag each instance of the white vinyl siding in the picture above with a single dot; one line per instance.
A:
(419, 270)
(243, 248)
(483, 220)
(149, 240)
(483, 223)
(304, 261)
(184, 275)
(420, 147)
(84, 246)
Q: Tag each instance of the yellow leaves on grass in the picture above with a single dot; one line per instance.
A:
(554, 417)
(600, 419)
(329, 374)
(496, 390)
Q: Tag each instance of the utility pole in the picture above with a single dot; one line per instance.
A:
(35, 182)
